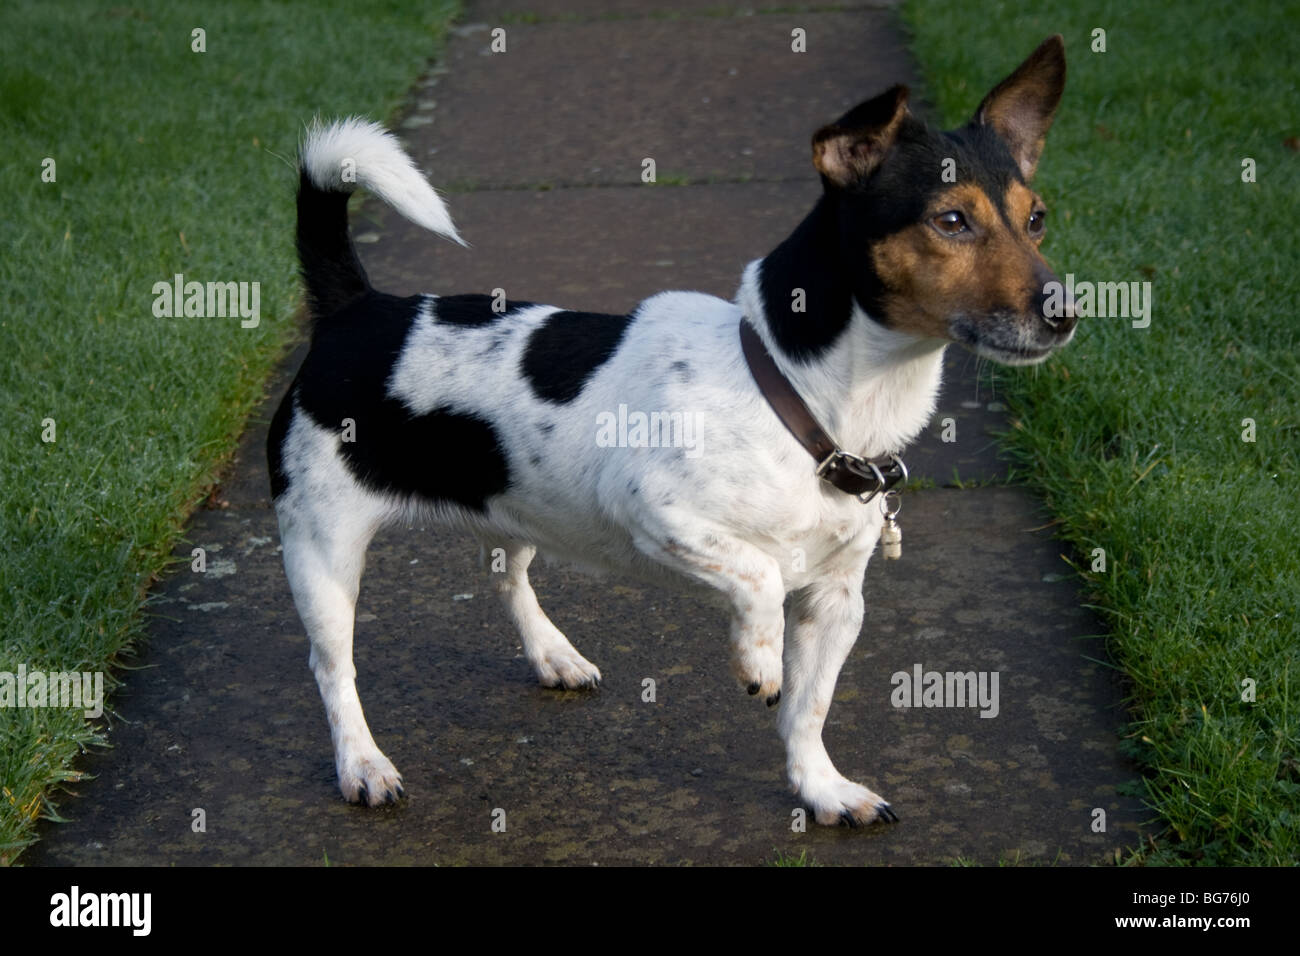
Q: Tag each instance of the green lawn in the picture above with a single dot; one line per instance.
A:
(166, 161)
(1135, 436)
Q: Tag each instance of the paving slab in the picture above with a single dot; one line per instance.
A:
(588, 101)
(596, 249)
(222, 713)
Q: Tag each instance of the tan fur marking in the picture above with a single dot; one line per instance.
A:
(931, 278)
(1020, 202)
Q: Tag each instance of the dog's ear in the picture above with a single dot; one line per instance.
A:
(1020, 108)
(850, 149)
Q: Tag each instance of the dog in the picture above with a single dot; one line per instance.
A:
(484, 414)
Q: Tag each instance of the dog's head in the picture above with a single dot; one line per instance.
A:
(939, 232)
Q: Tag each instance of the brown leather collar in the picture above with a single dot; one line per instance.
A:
(848, 472)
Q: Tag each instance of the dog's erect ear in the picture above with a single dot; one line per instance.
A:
(850, 149)
(1021, 107)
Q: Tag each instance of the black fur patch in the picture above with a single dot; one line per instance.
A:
(806, 290)
(275, 445)
(984, 159)
(443, 456)
(330, 268)
(565, 350)
(471, 310)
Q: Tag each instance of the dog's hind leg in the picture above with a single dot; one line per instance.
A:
(824, 622)
(556, 661)
(323, 559)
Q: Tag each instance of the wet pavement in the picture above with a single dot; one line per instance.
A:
(542, 148)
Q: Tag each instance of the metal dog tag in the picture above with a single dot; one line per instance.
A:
(891, 535)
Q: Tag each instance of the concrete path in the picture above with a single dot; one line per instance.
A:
(540, 149)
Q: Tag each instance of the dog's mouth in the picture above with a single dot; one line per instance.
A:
(1022, 340)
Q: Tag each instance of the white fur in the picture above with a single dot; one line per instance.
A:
(355, 145)
(746, 519)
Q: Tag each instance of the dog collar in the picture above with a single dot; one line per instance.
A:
(848, 472)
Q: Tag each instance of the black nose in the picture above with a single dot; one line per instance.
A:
(1053, 305)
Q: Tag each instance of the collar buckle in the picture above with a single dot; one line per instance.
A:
(878, 480)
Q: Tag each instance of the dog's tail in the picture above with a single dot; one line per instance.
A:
(334, 160)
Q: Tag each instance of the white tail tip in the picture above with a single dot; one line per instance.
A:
(354, 152)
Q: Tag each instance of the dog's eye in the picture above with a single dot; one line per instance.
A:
(950, 223)
(1037, 222)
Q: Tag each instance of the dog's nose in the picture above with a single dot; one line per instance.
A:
(1061, 318)
(1054, 304)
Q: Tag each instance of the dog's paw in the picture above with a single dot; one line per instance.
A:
(370, 779)
(760, 670)
(840, 802)
(567, 669)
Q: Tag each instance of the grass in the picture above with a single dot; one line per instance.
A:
(1135, 436)
(166, 161)
(781, 858)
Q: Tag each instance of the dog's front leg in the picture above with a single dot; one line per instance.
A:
(751, 580)
(825, 619)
